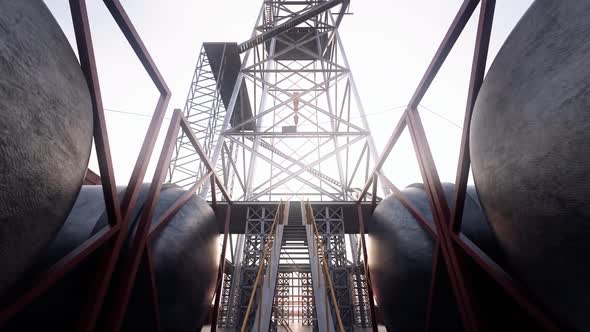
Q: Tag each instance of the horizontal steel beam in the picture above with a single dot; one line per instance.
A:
(239, 215)
(314, 11)
(303, 134)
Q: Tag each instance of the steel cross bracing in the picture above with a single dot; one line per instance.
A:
(302, 73)
(205, 113)
(306, 137)
(330, 225)
(258, 226)
(230, 317)
(360, 297)
(292, 279)
(224, 317)
(276, 29)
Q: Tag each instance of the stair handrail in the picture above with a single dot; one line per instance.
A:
(264, 255)
(324, 262)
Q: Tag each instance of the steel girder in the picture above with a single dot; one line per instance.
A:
(316, 157)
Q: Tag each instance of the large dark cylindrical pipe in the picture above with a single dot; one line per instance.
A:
(185, 258)
(45, 133)
(185, 263)
(530, 143)
(401, 258)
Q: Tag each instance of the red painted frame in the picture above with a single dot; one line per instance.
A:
(145, 231)
(110, 239)
(453, 250)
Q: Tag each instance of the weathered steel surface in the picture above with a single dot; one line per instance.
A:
(530, 137)
(184, 253)
(45, 132)
(401, 253)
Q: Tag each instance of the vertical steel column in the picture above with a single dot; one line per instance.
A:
(258, 225)
(230, 108)
(330, 224)
(477, 73)
(480, 54)
(81, 26)
(441, 216)
(204, 110)
(312, 73)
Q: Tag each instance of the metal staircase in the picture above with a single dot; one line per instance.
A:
(294, 301)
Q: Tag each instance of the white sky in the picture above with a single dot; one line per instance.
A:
(389, 44)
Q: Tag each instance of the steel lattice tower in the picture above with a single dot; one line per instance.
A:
(280, 118)
(285, 120)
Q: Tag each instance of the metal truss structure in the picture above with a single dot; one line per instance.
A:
(258, 227)
(224, 317)
(205, 111)
(360, 297)
(330, 223)
(294, 299)
(294, 296)
(292, 114)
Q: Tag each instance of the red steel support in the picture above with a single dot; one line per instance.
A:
(213, 194)
(91, 178)
(107, 263)
(101, 140)
(509, 285)
(484, 30)
(153, 291)
(48, 278)
(112, 236)
(126, 278)
(443, 50)
(128, 30)
(98, 288)
(374, 193)
(476, 80)
(397, 132)
(441, 217)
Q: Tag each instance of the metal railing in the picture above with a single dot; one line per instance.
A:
(323, 261)
(265, 256)
(453, 250)
(108, 242)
